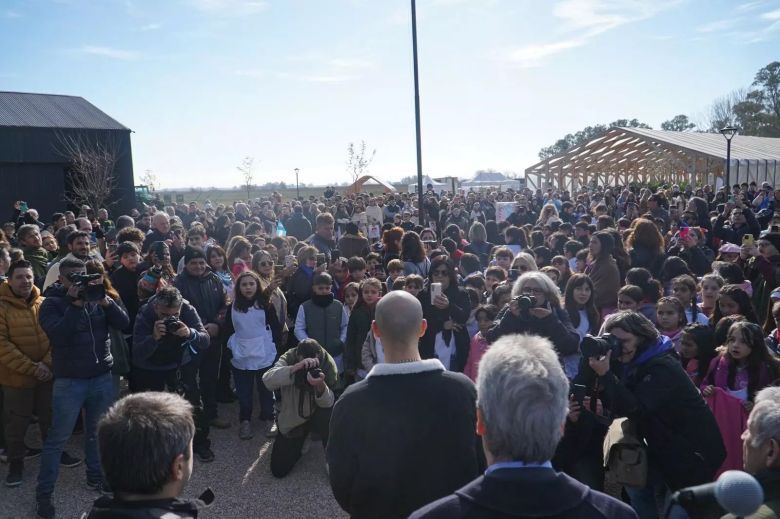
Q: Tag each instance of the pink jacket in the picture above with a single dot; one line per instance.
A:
(732, 420)
(479, 346)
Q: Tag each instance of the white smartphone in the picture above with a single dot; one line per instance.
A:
(435, 291)
(289, 261)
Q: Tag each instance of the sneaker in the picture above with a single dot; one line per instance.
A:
(220, 423)
(204, 455)
(273, 431)
(44, 508)
(99, 485)
(14, 478)
(245, 430)
(31, 453)
(68, 461)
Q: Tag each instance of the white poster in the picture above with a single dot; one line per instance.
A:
(504, 209)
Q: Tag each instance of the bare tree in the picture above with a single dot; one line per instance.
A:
(357, 162)
(92, 163)
(721, 112)
(247, 170)
(149, 178)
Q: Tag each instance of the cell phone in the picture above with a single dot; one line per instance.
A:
(23, 207)
(731, 199)
(278, 269)
(748, 240)
(435, 291)
(578, 393)
(112, 248)
(289, 260)
(321, 260)
(684, 232)
(514, 274)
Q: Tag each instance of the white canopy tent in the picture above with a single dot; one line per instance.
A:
(490, 179)
(438, 187)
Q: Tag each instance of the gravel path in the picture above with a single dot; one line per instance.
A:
(240, 477)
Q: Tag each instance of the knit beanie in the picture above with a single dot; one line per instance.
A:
(126, 248)
(773, 238)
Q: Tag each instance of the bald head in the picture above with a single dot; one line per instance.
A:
(399, 319)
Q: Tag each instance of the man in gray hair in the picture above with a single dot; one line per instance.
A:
(761, 450)
(522, 404)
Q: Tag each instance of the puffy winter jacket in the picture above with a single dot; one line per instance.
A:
(206, 293)
(22, 340)
(79, 336)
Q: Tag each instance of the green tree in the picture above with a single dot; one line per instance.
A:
(678, 123)
(572, 140)
(759, 113)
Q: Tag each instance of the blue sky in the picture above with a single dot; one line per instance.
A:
(204, 83)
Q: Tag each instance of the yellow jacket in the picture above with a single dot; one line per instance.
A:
(22, 340)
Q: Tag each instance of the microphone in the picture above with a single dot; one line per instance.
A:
(735, 491)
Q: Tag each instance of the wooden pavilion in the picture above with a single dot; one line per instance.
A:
(625, 156)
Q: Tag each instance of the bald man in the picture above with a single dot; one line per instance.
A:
(406, 435)
(161, 231)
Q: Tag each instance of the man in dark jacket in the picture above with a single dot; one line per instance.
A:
(205, 291)
(78, 331)
(742, 221)
(298, 225)
(161, 231)
(167, 339)
(415, 440)
(523, 402)
(140, 435)
(322, 238)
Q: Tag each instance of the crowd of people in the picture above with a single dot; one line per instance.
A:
(365, 321)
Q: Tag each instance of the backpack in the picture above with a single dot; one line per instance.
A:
(625, 455)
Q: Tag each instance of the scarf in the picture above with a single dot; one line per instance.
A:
(39, 257)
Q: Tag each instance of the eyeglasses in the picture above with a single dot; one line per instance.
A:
(533, 290)
(441, 272)
(266, 264)
(523, 268)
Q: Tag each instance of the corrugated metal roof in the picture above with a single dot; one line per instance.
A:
(19, 109)
(714, 144)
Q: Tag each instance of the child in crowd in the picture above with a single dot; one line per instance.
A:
(356, 266)
(493, 276)
(564, 272)
(773, 339)
(324, 319)
(684, 289)
(629, 299)
(744, 366)
(504, 258)
(710, 290)
(670, 319)
(399, 283)
(651, 290)
(160, 273)
(582, 260)
(359, 326)
(484, 314)
(351, 293)
(732, 300)
(217, 260)
(579, 301)
(732, 274)
(501, 295)
(239, 255)
(373, 264)
(552, 273)
(475, 299)
(697, 349)
(395, 269)
(414, 284)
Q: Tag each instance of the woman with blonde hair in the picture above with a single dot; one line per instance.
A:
(524, 262)
(548, 212)
(536, 309)
(263, 266)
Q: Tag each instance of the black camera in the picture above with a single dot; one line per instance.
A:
(597, 347)
(525, 303)
(171, 323)
(88, 292)
(314, 372)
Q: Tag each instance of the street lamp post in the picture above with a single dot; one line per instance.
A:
(297, 191)
(728, 132)
(420, 204)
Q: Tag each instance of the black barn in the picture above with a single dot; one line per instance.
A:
(32, 165)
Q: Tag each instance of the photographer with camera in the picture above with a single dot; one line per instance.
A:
(76, 316)
(635, 373)
(168, 337)
(536, 309)
(305, 376)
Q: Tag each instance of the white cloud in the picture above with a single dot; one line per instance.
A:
(718, 25)
(749, 6)
(109, 52)
(771, 15)
(150, 27)
(581, 20)
(325, 78)
(231, 7)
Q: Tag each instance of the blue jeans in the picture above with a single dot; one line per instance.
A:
(69, 396)
(245, 379)
(651, 501)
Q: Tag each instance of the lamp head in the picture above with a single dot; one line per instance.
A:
(728, 132)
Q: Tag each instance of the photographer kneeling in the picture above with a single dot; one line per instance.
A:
(304, 375)
(167, 339)
(536, 309)
(635, 373)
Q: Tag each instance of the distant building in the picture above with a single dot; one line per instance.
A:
(32, 165)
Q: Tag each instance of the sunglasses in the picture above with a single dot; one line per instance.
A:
(266, 264)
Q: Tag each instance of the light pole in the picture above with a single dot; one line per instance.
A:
(420, 206)
(297, 191)
(728, 132)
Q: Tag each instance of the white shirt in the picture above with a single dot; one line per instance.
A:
(252, 343)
